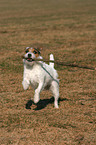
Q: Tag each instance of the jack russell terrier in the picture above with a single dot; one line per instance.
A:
(40, 75)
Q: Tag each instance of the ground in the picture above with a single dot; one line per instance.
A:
(68, 30)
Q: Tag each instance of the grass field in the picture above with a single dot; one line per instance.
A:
(66, 28)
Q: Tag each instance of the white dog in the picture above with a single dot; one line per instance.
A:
(39, 74)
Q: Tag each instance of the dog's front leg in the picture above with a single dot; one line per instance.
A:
(37, 92)
(25, 84)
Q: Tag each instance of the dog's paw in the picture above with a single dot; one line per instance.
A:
(25, 84)
(36, 99)
(56, 105)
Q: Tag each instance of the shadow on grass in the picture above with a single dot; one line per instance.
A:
(42, 103)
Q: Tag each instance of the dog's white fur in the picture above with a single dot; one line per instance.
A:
(40, 76)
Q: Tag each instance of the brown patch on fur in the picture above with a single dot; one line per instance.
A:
(36, 51)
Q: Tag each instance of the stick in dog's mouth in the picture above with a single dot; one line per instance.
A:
(64, 64)
(28, 59)
(38, 59)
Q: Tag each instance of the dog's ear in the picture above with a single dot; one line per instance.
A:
(39, 50)
(26, 49)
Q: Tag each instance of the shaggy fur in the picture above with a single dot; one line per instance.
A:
(40, 75)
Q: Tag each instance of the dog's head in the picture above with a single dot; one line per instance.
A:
(31, 54)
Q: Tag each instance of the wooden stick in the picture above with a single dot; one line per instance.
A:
(68, 64)
(65, 64)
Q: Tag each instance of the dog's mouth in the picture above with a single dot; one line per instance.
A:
(29, 59)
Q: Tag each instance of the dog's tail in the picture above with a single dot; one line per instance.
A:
(51, 58)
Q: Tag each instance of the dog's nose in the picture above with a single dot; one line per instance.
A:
(29, 55)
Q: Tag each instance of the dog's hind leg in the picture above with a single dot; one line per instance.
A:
(55, 90)
(37, 92)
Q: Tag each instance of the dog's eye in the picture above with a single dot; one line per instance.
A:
(35, 52)
(26, 51)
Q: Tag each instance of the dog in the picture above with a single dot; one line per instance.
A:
(40, 75)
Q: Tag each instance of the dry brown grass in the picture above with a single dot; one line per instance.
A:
(68, 30)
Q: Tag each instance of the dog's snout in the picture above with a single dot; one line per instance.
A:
(29, 55)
